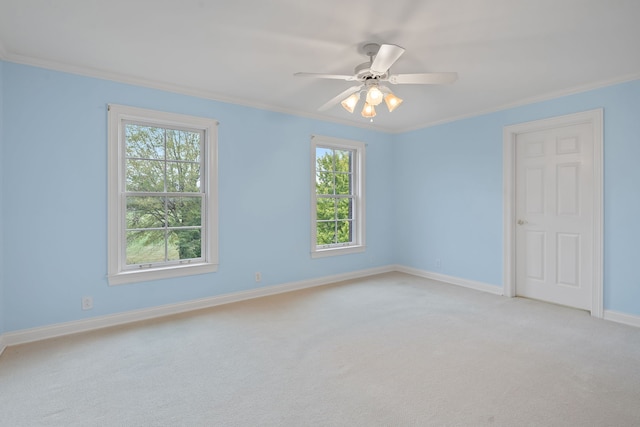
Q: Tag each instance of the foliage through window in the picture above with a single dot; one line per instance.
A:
(165, 193)
(338, 207)
(163, 197)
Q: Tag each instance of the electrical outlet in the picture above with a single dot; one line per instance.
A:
(87, 303)
(258, 276)
(438, 263)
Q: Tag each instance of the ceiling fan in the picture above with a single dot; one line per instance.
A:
(371, 74)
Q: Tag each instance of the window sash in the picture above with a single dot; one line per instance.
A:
(165, 161)
(166, 229)
(118, 271)
(322, 146)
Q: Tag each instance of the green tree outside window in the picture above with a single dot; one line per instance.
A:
(164, 202)
(334, 196)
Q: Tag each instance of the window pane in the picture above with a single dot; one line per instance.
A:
(145, 247)
(325, 183)
(184, 211)
(342, 161)
(326, 233)
(183, 145)
(325, 208)
(144, 141)
(345, 208)
(145, 212)
(145, 175)
(324, 159)
(185, 244)
(338, 202)
(183, 177)
(343, 183)
(344, 232)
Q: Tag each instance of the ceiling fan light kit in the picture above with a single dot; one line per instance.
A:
(375, 94)
(371, 74)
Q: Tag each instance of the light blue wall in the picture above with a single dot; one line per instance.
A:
(56, 206)
(448, 192)
(434, 193)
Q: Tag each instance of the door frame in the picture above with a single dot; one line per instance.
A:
(510, 133)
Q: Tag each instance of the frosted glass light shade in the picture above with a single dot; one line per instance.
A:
(350, 103)
(368, 111)
(392, 101)
(374, 95)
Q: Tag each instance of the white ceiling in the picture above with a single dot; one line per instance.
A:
(506, 52)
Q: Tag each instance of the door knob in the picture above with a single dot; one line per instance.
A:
(522, 222)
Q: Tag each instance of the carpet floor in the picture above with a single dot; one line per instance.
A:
(388, 350)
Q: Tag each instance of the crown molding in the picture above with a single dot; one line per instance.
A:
(199, 93)
(528, 101)
(179, 89)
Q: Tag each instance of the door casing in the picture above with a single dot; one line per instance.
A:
(595, 119)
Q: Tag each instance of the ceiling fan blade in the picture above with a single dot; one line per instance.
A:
(326, 76)
(385, 58)
(423, 78)
(341, 97)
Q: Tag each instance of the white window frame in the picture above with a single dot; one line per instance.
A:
(118, 272)
(358, 187)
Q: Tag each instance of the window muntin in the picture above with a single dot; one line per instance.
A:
(164, 201)
(162, 195)
(338, 199)
(334, 197)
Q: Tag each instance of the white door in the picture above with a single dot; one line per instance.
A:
(554, 215)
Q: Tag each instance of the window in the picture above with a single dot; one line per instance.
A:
(162, 195)
(337, 201)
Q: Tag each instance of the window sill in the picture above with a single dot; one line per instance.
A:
(321, 253)
(133, 276)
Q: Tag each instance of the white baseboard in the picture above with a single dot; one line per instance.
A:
(85, 325)
(627, 319)
(479, 286)
(99, 322)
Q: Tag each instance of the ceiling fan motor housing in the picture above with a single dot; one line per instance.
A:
(363, 72)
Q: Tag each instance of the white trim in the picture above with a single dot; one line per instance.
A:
(359, 192)
(135, 276)
(527, 101)
(85, 325)
(593, 117)
(627, 319)
(95, 323)
(466, 283)
(117, 273)
(206, 94)
(353, 249)
(182, 90)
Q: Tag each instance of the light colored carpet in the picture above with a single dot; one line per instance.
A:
(390, 350)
